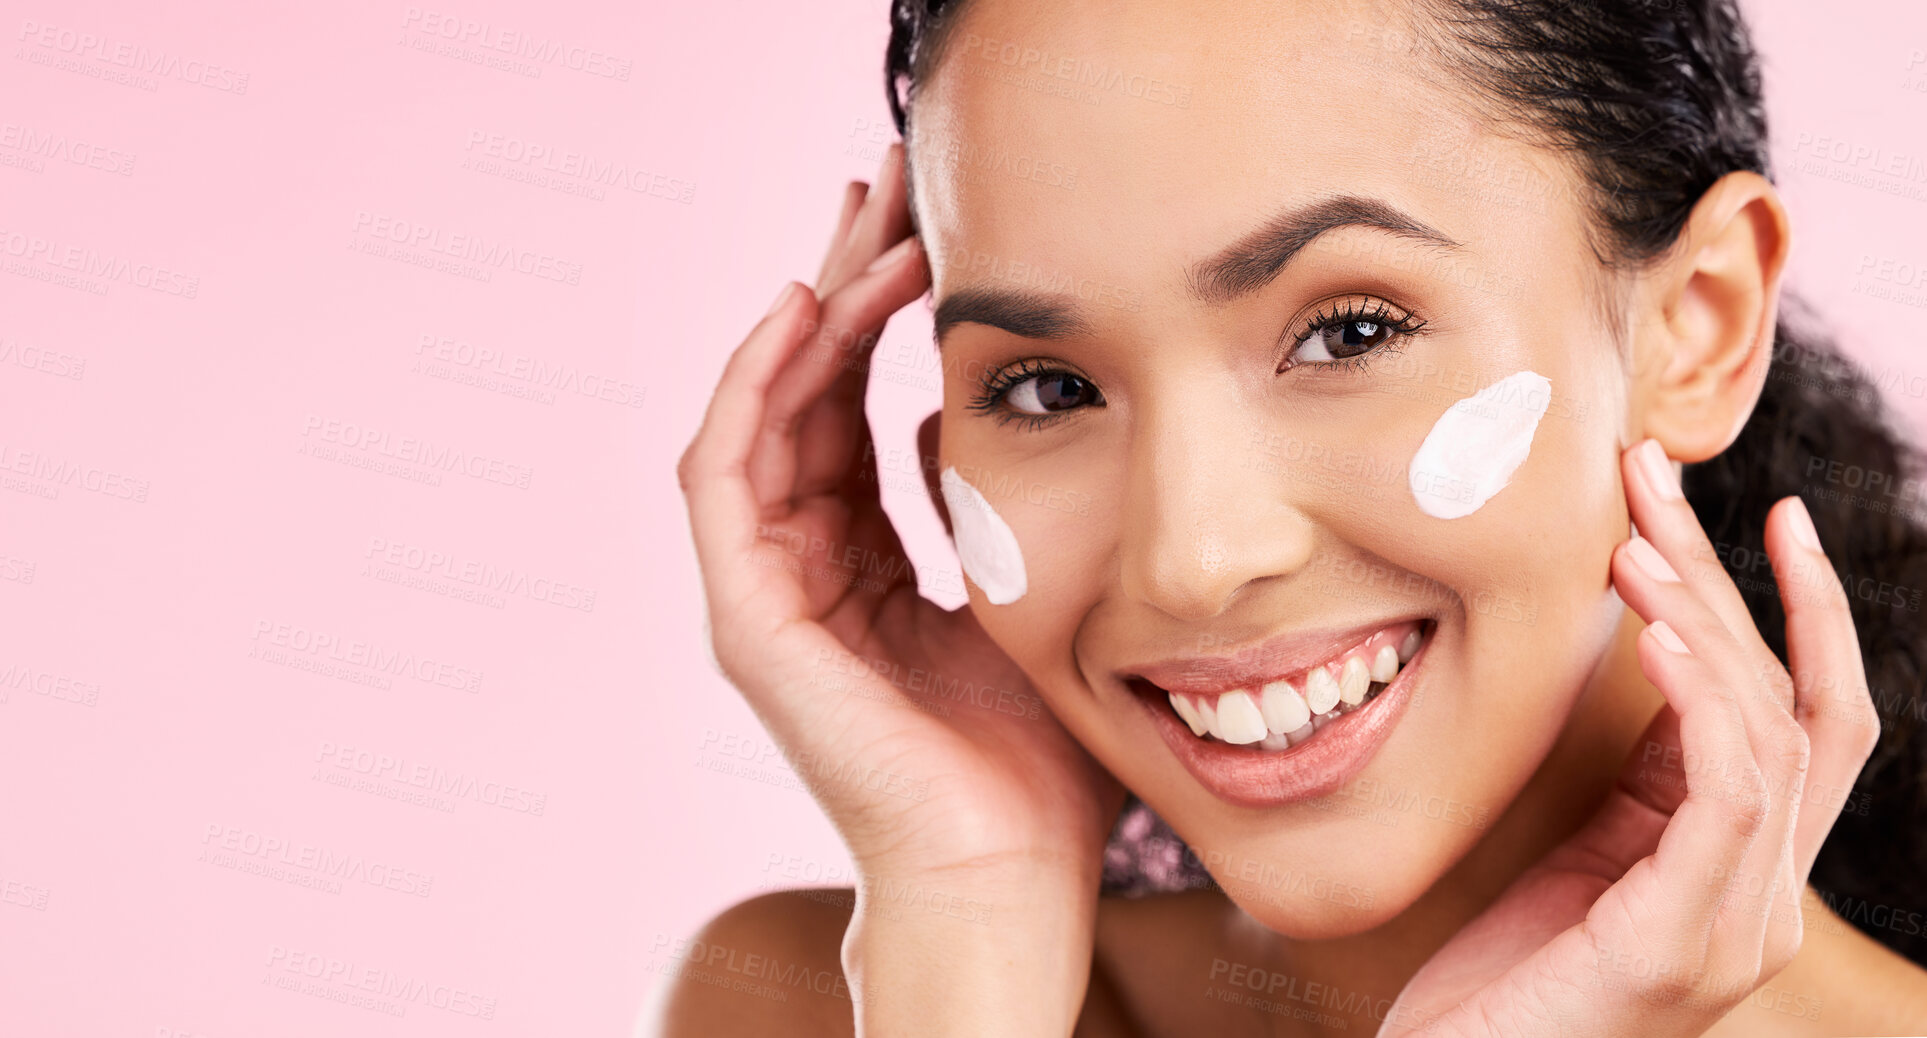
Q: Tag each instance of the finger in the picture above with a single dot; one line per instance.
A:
(853, 196)
(1761, 891)
(1664, 517)
(723, 510)
(1831, 699)
(1674, 899)
(1771, 747)
(883, 221)
(817, 399)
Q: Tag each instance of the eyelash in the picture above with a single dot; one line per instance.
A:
(988, 397)
(991, 387)
(1403, 326)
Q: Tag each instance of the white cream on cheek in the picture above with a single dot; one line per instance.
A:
(985, 543)
(1473, 449)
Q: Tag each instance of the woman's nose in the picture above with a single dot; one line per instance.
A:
(1205, 515)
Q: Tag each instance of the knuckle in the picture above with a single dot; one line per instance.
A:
(1748, 801)
(1731, 978)
(1783, 943)
(1867, 728)
(1671, 988)
(689, 465)
(1789, 743)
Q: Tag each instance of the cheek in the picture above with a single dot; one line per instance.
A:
(1030, 548)
(986, 545)
(1476, 445)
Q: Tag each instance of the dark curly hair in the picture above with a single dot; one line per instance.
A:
(1655, 100)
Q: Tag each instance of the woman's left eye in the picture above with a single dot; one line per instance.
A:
(1350, 335)
(1342, 341)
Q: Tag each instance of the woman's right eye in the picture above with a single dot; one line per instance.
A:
(1034, 392)
(1049, 393)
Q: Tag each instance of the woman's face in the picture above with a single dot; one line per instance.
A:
(1136, 215)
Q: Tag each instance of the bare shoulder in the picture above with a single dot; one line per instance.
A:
(770, 965)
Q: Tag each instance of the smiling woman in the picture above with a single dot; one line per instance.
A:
(1351, 661)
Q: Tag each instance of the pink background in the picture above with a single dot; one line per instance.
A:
(349, 623)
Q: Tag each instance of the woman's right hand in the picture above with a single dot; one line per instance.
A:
(926, 745)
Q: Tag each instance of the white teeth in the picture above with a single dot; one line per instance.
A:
(1321, 692)
(1409, 647)
(1353, 679)
(1385, 664)
(1284, 709)
(1239, 721)
(1189, 713)
(1278, 715)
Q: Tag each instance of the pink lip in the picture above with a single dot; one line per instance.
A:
(1281, 657)
(1244, 777)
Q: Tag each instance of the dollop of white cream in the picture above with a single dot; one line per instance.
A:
(985, 543)
(1477, 444)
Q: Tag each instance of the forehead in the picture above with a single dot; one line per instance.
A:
(1119, 143)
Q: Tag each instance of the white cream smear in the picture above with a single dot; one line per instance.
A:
(987, 548)
(1477, 444)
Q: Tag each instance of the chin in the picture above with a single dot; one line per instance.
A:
(1351, 876)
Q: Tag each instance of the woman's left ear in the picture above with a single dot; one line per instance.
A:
(1712, 302)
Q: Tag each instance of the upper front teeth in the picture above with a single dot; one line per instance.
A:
(1278, 714)
(1283, 708)
(1353, 679)
(1239, 721)
(1321, 692)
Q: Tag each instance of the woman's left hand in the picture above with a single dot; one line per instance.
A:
(1683, 894)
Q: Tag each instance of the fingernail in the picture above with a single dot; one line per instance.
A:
(1658, 470)
(1668, 639)
(781, 298)
(1801, 522)
(893, 256)
(1650, 561)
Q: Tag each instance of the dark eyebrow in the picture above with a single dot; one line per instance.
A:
(1241, 268)
(1251, 262)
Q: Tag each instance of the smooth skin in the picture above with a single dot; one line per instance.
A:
(1626, 884)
